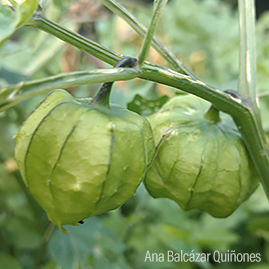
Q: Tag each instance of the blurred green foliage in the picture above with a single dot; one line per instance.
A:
(204, 35)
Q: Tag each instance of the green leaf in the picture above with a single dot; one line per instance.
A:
(11, 77)
(8, 261)
(70, 249)
(8, 22)
(10, 19)
(63, 5)
(26, 10)
(146, 107)
(24, 232)
(51, 265)
(258, 266)
(215, 233)
(89, 243)
(259, 224)
(111, 251)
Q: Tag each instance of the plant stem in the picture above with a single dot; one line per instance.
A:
(9, 95)
(102, 97)
(122, 12)
(151, 29)
(45, 239)
(40, 22)
(247, 56)
(250, 125)
(212, 115)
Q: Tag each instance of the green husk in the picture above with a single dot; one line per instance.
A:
(201, 161)
(79, 160)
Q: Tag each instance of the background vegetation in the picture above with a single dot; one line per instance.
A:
(204, 35)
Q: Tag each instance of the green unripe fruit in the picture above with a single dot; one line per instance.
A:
(201, 161)
(80, 159)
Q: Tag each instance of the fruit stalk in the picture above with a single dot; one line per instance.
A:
(103, 95)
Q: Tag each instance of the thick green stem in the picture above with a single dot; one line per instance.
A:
(14, 94)
(38, 21)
